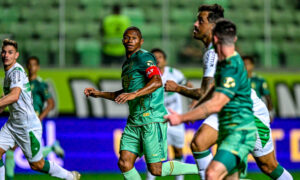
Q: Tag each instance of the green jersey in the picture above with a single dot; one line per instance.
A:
(231, 80)
(145, 109)
(260, 85)
(40, 94)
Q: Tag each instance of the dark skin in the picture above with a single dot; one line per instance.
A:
(132, 42)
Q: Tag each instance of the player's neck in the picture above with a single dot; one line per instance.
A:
(129, 54)
(226, 51)
(6, 68)
(249, 74)
(207, 40)
(32, 77)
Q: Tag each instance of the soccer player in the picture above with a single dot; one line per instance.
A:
(23, 127)
(264, 151)
(231, 100)
(259, 84)
(40, 95)
(175, 134)
(145, 132)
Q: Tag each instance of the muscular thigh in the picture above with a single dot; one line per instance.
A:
(205, 137)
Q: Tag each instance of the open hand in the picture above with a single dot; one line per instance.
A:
(174, 118)
(124, 97)
(171, 86)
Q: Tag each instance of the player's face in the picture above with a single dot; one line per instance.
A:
(249, 65)
(33, 66)
(161, 61)
(202, 27)
(132, 41)
(9, 55)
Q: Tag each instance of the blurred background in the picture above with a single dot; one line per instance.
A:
(79, 45)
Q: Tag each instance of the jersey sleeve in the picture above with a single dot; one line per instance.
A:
(264, 88)
(147, 65)
(228, 83)
(44, 91)
(16, 78)
(210, 60)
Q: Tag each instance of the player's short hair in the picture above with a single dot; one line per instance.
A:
(9, 42)
(215, 12)
(116, 9)
(33, 58)
(160, 51)
(133, 28)
(250, 58)
(225, 30)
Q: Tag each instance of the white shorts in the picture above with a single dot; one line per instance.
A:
(175, 135)
(28, 140)
(263, 144)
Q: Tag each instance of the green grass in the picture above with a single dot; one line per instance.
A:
(253, 176)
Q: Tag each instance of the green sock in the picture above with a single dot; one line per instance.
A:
(132, 174)
(277, 172)
(9, 164)
(178, 168)
(46, 167)
(47, 150)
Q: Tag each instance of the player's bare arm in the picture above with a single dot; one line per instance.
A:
(217, 102)
(10, 98)
(48, 108)
(154, 83)
(100, 94)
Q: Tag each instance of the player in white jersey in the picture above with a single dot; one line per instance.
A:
(207, 134)
(23, 127)
(175, 134)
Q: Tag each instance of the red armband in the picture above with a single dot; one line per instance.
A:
(151, 71)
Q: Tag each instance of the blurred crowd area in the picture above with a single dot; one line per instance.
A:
(74, 33)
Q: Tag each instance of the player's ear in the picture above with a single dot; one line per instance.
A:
(235, 39)
(215, 39)
(17, 55)
(142, 41)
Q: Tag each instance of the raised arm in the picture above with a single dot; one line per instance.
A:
(153, 84)
(217, 102)
(11, 97)
(100, 94)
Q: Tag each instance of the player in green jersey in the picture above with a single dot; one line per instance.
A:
(40, 95)
(231, 100)
(145, 132)
(259, 84)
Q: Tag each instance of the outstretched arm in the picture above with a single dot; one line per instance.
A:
(100, 94)
(154, 83)
(11, 97)
(217, 102)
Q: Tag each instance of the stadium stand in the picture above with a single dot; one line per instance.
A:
(36, 22)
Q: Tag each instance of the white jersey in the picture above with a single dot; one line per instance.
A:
(22, 114)
(173, 100)
(210, 59)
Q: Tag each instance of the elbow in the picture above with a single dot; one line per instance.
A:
(217, 109)
(14, 99)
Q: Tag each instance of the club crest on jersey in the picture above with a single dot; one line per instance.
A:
(229, 82)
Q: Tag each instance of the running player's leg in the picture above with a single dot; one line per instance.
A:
(269, 165)
(215, 170)
(155, 150)
(205, 137)
(178, 157)
(56, 148)
(30, 143)
(130, 149)
(126, 165)
(10, 164)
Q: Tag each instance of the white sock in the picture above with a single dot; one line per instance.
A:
(181, 177)
(150, 176)
(57, 171)
(202, 160)
(285, 176)
(2, 172)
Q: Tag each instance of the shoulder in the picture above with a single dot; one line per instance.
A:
(145, 56)
(17, 69)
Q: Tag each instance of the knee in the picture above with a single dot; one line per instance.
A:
(37, 166)
(124, 165)
(210, 174)
(155, 171)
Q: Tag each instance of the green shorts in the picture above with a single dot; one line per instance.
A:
(149, 140)
(238, 143)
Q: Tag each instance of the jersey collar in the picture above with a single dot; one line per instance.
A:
(210, 46)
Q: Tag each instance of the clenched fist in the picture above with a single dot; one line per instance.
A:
(171, 86)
